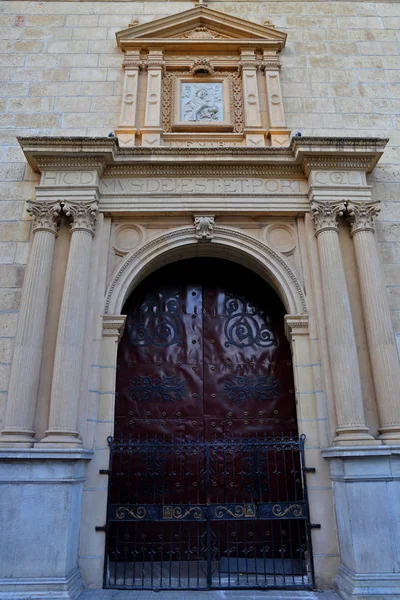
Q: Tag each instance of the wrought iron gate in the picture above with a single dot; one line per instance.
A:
(226, 513)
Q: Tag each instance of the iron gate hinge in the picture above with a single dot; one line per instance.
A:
(315, 525)
(105, 472)
(100, 528)
(309, 469)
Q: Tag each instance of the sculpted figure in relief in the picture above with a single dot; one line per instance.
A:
(201, 102)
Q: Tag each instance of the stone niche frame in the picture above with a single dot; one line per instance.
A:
(198, 44)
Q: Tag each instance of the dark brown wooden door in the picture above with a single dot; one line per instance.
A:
(204, 354)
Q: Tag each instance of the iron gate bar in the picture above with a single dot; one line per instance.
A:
(246, 525)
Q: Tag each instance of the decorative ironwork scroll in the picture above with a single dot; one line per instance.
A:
(158, 320)
(235, 511)
(246, 325)
(240, 389)
(183, 512)
(156, 389)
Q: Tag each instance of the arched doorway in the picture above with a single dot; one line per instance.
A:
(206, 482)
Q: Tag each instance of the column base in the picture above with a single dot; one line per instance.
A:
(354, 436)
(372, 586)
(46, 588)
(62, 438)
(16, 438)
(255, 138)
(388, 435)
(126, 136)
(279, 136)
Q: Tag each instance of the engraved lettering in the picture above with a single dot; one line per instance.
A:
(153, 185)
(200, 185)
(167, 185)
(272, 185)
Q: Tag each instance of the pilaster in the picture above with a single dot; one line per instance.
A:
(277, 132)
(254, 134)
(151, 132)
(127, 130)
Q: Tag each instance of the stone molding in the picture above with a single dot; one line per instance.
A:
(46, 215)
(334, 152)
(296, 325)
(361, 216)
(267, 262)
(204, 227)
(113, 326)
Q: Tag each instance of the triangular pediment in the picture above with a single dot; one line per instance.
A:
(204, 25)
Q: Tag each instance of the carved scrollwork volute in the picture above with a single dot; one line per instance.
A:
(361, 216)
(83, 215)
(204, 227)
(325, 215)
(46, 215)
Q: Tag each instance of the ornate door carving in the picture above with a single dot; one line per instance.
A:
(204, 354)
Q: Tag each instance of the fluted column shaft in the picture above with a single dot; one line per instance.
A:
(379, 327)
(340, 332)
(67, 371)
(27, 358)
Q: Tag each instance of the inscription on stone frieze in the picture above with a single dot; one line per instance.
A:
(67, 178)
(201, 186)
(338, 178)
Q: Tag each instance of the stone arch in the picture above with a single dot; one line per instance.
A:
(226, 243)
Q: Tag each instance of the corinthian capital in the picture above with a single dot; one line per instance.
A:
(46, 215)
(361, 216)
(83, 215)
(325, 215)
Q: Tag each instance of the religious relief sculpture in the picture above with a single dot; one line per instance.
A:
(201, 102)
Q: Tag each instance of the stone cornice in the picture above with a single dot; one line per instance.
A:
(306, 153)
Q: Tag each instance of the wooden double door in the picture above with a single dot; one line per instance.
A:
(204, 354)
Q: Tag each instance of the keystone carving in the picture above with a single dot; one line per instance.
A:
(361, 216)
(204, 227)
(83, 215)
(201, 65)
(325, 215)
(46, 215)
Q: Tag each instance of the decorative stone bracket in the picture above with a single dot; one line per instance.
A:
(204, 228)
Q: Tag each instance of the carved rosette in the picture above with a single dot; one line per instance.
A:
(83, 215)
(46, 215)
(325, 215)
(204, 227)
(361, 216)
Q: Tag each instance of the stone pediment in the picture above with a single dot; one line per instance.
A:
(204, 26)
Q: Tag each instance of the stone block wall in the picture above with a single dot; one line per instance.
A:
(60, 75)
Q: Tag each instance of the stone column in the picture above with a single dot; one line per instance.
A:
(339, 324)
(151, 132)
(255, 136)
(65, 391)
(277, 132)
(378, 323)
(126, 129)
(25, 370)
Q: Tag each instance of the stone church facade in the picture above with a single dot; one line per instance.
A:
(260, 133)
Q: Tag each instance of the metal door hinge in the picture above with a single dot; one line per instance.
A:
(315, 525)
(100, 528)
(105, 472)
(309, 469)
